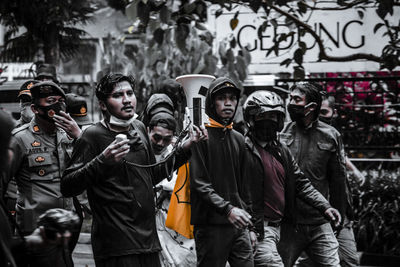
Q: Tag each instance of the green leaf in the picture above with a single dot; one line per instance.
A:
(274, 23)
(270, 50)
(298, 56)
(241, 67)
(299, 72)
(246, 56)
(303, 46)
(131, 10)
(189, 8)
(276, 50)
(302, 7)
(158, 36)
(282, 37)
(165, 14)
(218, 13)
(233, 23)
(360, 14)
(378, 26)
(255, 5)
(286, 62)
(230, 56)
(264, 25)
(233, 42)
(200, 26)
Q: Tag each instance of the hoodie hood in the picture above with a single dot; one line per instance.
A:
(157, 103)
(217, 85)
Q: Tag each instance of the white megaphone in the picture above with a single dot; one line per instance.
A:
(195, 87)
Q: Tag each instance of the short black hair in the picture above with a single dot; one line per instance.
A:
(108, 82)
(312, 92)
(330, 99)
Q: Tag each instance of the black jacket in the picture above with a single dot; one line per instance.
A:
(120, 195)
(296, 184)
(217, 181)
(320, 155)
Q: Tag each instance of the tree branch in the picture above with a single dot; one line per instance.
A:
(322, 53)
(348, 6)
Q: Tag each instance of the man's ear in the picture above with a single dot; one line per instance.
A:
(34, 109)
(102, 105)
(312, 106)
(335, 113)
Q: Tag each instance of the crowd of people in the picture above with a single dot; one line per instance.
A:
(276, 196)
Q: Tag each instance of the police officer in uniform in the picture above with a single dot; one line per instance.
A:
(39, 157)
(25, 99)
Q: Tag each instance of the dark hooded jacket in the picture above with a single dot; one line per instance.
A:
(217, 182)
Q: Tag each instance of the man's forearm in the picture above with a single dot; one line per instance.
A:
(79, 176)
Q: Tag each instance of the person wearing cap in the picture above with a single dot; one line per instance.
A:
(158, 116)
(219, 201)
(46, 72)
(77, 109)
(161, 127)
(161, 132)
(39, 156)
(25, 99)
(157, 103)
(275, 179)
(318, 149)
(15, 249)
(118, 175)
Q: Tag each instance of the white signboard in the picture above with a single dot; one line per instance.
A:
(343, 33)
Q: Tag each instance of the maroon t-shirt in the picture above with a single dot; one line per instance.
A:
(274, 186)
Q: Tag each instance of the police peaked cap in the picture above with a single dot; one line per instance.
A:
(45, 89)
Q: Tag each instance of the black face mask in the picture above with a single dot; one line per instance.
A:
(296, 112)
(265, 130)
(327, 120)
(51, 110)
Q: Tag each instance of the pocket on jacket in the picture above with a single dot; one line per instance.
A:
(326, 146)
(40, 166)
(318, 162)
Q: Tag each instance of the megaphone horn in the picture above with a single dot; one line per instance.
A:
(195, 87)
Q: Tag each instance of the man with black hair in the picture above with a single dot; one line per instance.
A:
(158, 117)
(217, 184)
(318, 149)
(39, 156)
(275, 179)
(46, 72)
(119, 174)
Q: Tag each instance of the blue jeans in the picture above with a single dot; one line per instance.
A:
(318, 241)
(267, 251)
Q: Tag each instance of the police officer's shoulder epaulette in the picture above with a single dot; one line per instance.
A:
(20, 128)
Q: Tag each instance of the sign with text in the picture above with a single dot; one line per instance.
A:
(343, 33)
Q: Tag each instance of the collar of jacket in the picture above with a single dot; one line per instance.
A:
(214, 124)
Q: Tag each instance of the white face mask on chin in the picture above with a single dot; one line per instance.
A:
(120, 122)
